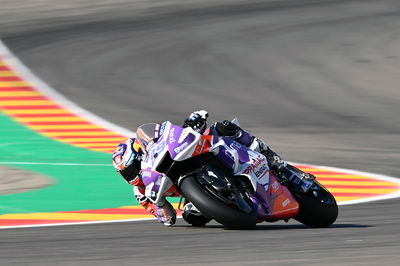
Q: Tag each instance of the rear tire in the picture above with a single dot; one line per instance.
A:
(213, 207)
(318, 207)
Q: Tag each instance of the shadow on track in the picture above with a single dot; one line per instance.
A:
(277, 227)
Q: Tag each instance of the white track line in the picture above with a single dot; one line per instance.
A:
(44, 88)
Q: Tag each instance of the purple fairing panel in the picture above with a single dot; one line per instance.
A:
(261, 200)
(261, 210)
(149, 176)
(226, 152)
(174, 146)
(244, 138)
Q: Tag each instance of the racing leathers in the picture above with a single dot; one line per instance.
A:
(162, 209)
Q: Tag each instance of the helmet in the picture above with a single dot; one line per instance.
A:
(127, 158)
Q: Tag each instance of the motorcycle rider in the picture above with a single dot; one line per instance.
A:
(129, 153)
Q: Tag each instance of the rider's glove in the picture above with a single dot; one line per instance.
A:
(166, 214)
(277, 165)
(197, 120)
(228, 129)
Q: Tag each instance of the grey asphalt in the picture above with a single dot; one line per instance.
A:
(317, 79)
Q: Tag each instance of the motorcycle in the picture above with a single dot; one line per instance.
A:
(227, 181)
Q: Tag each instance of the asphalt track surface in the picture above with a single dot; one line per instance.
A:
(317, 79)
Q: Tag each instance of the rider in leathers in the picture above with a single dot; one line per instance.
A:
(128, 155)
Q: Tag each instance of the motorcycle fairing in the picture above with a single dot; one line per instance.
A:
(272, 200)
(276, 203)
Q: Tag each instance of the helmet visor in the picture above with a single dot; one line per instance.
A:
(131, 171)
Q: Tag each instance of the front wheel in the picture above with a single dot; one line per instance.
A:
(214, 206)
(318, 207)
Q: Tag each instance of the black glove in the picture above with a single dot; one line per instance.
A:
(227, 128)
(197, 120)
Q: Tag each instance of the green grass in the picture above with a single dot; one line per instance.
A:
(74, 188)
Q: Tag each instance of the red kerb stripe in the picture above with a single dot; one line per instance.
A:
(22, 88)
(4, 68)
(88, 137)
(15, 78)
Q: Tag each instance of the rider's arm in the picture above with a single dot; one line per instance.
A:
(165, 213)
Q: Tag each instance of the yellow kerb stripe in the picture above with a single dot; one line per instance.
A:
(326, 177)
(341, 199)
(24, 103)
(19, 93)
(39, 127)
(7, 74)
(38, 111)
(14, 84)
(363, 190)
(358, 183)
(49, 119)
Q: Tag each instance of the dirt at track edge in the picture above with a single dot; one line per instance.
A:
(14, 180)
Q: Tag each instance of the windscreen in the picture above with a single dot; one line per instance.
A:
(147, 131)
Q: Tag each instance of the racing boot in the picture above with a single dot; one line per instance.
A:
(166, 214)
(193, 216)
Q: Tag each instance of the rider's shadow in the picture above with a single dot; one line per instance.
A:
(302, 226)
(280, 226)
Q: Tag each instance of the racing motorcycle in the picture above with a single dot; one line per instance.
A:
(229, 182)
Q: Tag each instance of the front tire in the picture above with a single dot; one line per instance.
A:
(213, 207)
(318, 207)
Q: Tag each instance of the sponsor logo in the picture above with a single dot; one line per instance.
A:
(285, 202)
(261, 171)
(236, 146)
(255, 164)
(146, 173)
(181, 148)
(171, 135)
(275, 186)
(162, 128)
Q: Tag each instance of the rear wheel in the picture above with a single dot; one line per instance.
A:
(212, 203)
(318, 207)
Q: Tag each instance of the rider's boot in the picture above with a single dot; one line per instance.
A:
(165, 213)
(193, 216)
